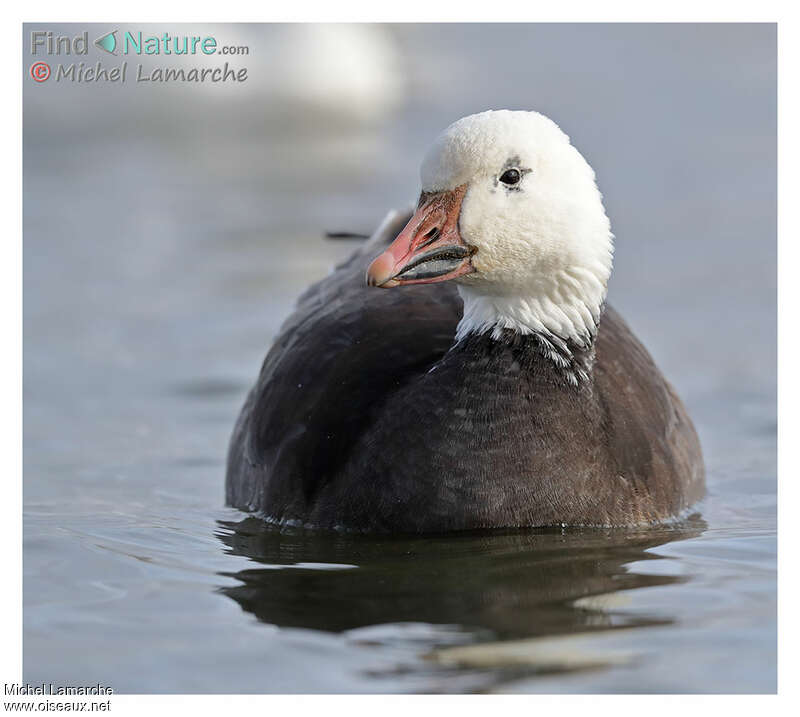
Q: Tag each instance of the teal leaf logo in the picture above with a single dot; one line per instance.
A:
(108, 42)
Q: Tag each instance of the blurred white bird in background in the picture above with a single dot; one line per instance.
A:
(346, 72)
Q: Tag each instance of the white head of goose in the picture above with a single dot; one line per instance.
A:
(526, 403)
(510, 209)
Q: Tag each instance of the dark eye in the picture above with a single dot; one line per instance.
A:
(510, 176)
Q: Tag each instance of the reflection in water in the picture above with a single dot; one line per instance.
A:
(495, 586)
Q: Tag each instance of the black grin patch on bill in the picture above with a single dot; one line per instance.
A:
(434, 263)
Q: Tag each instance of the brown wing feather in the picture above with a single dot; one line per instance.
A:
(336, 360)
(649, 432)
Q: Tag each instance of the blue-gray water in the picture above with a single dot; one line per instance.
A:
(167, 232)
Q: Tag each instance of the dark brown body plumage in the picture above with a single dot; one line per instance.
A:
(366, 417)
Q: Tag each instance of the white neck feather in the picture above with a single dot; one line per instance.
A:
(567, 305)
